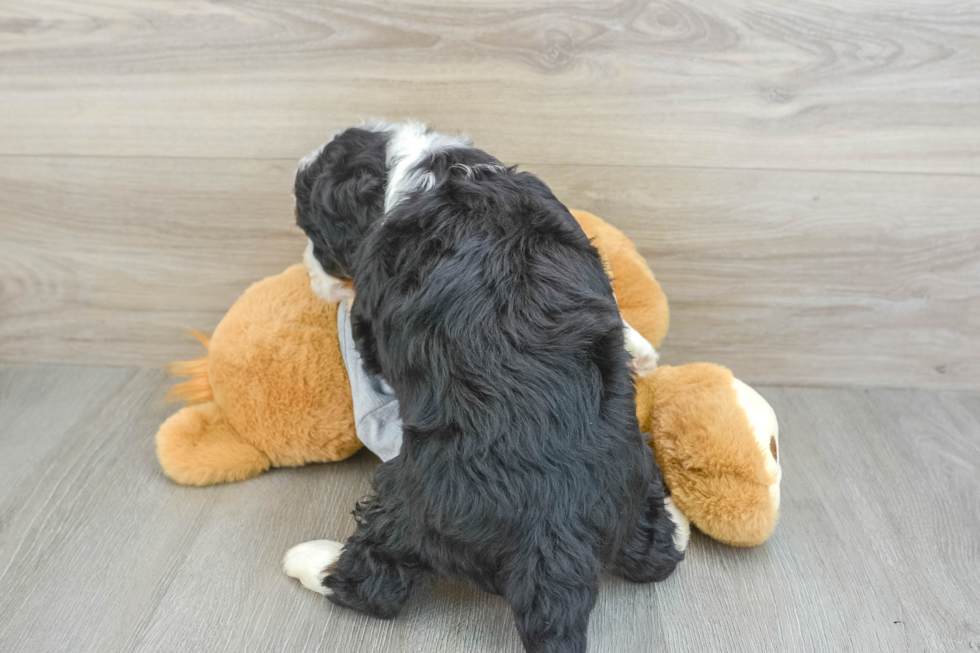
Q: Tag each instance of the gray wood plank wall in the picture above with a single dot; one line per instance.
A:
(804, 177)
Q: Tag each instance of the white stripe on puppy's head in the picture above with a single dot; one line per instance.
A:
(308, 160)
(408, 144)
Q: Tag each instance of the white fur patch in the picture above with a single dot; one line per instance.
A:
(408, 144)
(682, 525)
(645, 357)
(377, 125)
(308, 160)
(774, 495)
(308, 562)
(327, 288)
(470, 171)
(762, 419)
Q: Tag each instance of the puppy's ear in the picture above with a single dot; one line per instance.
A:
(353, 198)
(341, 194)
(344, 209)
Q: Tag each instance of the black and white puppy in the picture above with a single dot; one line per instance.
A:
(482, 303)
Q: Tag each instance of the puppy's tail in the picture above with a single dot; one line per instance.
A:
(197, 388)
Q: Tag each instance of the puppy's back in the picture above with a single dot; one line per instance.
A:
(495, 307)
(497, 327)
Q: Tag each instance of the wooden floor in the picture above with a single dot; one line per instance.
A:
(878, 548)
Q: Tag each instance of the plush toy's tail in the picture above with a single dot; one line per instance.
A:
(198, 446)
(197, 388)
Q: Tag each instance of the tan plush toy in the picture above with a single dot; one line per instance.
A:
(716, 441)
(273, 391)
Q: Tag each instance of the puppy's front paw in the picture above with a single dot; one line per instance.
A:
(309, 562)
(646, 362)
(645, 357)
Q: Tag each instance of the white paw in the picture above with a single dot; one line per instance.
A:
(308, 562)
(682, 525)
(645, 357)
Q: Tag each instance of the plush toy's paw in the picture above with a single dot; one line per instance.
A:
(682, 525)
(645, 357)
(309, 563)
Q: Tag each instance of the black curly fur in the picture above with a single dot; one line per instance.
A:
(522, 468)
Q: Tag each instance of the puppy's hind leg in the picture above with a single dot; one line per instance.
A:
(657, 542)
(370, 572)
(310, 562)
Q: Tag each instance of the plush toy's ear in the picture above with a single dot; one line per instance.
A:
(716, 441)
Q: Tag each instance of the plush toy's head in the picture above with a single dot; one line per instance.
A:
(717, 442)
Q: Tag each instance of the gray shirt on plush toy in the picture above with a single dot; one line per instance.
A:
(375, 408)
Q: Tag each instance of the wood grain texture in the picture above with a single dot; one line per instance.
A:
(803, 177)
(806, 278)
(837, 84)
(784, 276)
(876, 549)
(111, 260)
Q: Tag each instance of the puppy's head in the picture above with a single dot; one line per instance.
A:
(340, 193)
(348, 184)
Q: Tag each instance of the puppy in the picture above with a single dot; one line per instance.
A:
(482, 303)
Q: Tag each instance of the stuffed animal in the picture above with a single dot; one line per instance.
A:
(716, 441)
(273, 391)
